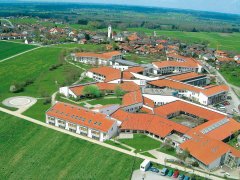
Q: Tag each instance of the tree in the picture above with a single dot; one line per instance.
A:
(118, 91)
(91, 90)
(184, 155)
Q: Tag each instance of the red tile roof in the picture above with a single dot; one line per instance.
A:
(163, 64)
(131, 98)
(106, 56)
(215, 90)
(88, 118)
(137, 69)
(178, 106)
(174, 85)
(186, 76)
(126, 86)
(206, 149)
(148, 102)
(152, 123)
(210, 91)
(109, 73)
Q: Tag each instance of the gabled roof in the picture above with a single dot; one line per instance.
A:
(186, 76)
(126, 86)
(206, 149)
(178, 106)
(131, 98)
(215, 90)
(81, 116)
(109, 73)
(152, 123)
(163, 64)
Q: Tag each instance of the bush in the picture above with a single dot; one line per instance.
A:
(195, 164)
(47, 101)
(16, 87)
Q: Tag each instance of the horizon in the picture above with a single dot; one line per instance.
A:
(228, 7)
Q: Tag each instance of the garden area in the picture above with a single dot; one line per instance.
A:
(188, 121)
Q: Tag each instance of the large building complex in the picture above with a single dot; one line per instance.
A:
(165, 103)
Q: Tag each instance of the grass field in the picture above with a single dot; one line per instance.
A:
(29, 151)
(103, 101)
(9, 49)
(34, 64)
(117, 145)
(37, 111)
(225, 41)
(84, 47)
(231, 73)
(141, 142)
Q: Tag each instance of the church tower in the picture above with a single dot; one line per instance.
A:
(109, 32)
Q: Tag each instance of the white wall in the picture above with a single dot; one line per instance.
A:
(160, 99)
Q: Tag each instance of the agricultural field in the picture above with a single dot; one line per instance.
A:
(84, 47)
(224, 41)
(30, 151)
(9, 49)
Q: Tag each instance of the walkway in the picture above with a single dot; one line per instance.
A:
(203, 174)
(18, 54)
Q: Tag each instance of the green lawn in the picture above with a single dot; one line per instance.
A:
(84, 47)
(117, 145)
(171, 152)
(103, 101)
(37, 111)
(231, 73)
(29, 151)
(9, 49)
(35, 65)
(141, 142)
(226, 41)
(148, 154)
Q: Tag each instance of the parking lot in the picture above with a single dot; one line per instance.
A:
(148, 175)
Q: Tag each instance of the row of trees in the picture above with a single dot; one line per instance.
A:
(93, 91)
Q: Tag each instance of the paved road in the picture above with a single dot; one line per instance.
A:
(18, 54)
(235, 100)
(203, 174)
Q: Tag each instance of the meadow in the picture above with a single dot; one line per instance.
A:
(34, 65)
(9, 49)
(30, 151)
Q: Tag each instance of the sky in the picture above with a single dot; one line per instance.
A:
(224, 6)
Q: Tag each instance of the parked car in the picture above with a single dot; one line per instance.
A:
(226, 103)
(186, 178)
(153, 169)
(181, 177)
(170, 173)
(164, 171)
(229, 97)
(175, 174)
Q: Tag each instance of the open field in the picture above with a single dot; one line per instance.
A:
(84, 47)
(37, 111)
(231, 73)
(9, 49)
(34, 65)
(225, 41)
(141, 142)
(30, 151)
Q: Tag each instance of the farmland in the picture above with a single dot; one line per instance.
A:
(9, 49)
(33, 152)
